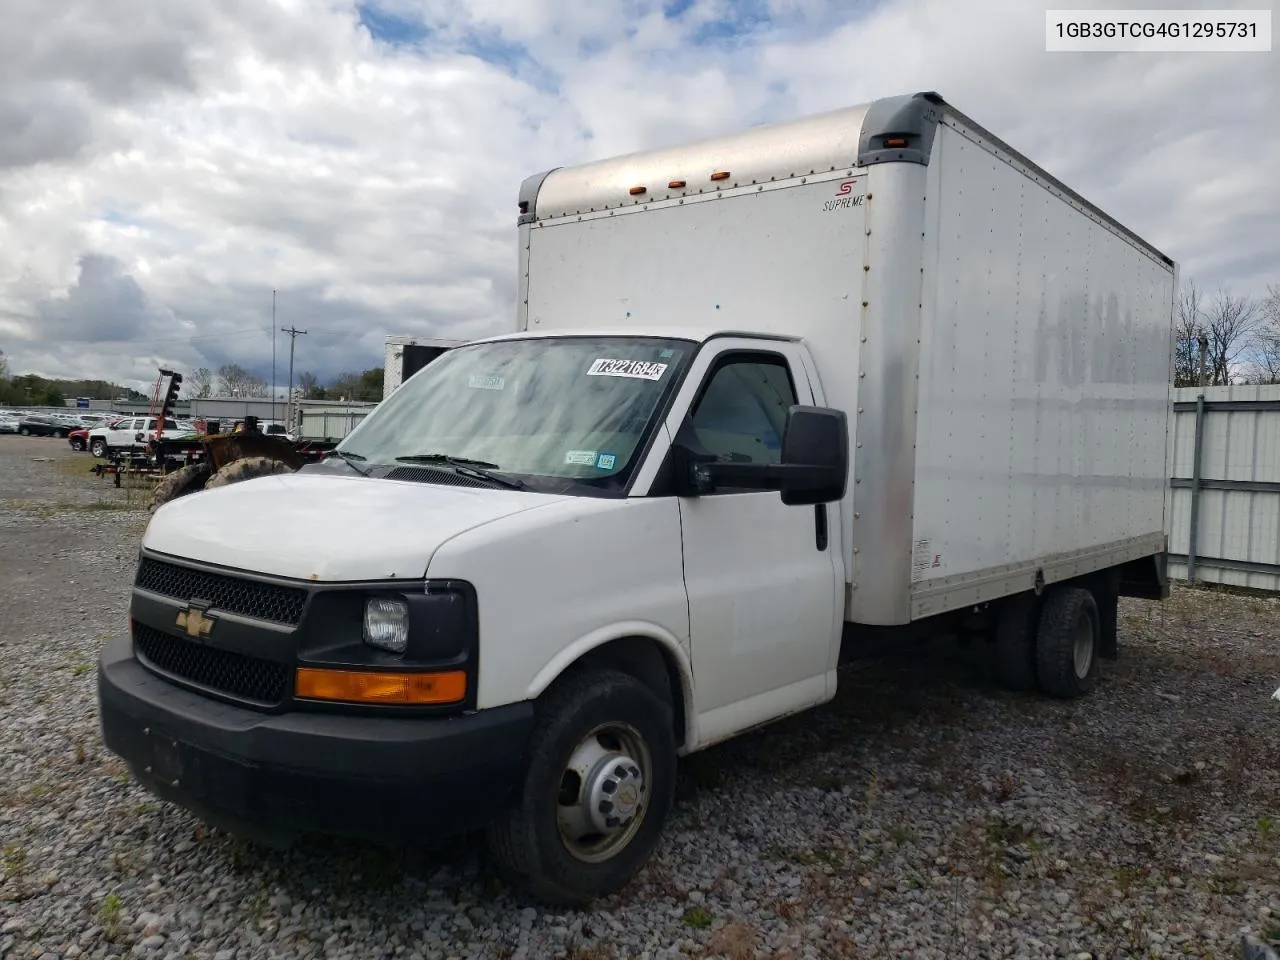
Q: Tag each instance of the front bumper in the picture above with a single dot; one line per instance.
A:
(272, 777)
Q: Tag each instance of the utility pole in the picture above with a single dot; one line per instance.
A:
(293, 338)
(273, 355)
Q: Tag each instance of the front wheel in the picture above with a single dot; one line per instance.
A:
(98, 447)
(597, 789)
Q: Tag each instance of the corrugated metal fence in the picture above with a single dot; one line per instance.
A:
(329, 423)
(1224, 496)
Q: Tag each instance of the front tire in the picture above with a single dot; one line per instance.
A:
(1067, 642)
(98, 447)
(597, 789)
(188, 479)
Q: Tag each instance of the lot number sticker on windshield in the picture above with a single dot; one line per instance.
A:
(486, 383)
(633, 369)
(583, 458)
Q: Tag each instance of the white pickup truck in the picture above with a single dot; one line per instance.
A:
(771, 398)
(123, 434)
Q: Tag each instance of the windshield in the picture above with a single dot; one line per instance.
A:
(565, 408)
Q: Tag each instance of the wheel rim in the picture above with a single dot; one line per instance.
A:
(1083, 647)
(603, 795)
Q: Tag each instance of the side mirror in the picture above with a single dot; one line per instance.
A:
(814, 467)
(139, 436)
(815, 448)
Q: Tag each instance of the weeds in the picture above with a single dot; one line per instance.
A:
(699, 918)
(15, 861)
(110, 913)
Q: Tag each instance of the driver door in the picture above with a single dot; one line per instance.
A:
(764, 579)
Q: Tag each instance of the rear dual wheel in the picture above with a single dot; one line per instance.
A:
(1050, 642)
(597, 788)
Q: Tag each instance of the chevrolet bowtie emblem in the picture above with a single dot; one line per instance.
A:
(195, 622)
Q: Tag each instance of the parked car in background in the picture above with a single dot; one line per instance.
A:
(79, 438)
(8, 423)
(42, 425)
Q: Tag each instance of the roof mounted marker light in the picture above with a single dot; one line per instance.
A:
(675, 185)
(637, 191)
(896, 141)
(720, 175)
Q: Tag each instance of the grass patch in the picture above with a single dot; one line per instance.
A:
(699, 918)
(110, 913)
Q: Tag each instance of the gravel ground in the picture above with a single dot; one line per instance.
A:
(924, 814)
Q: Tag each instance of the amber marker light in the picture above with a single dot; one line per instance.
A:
(675, 185)
(720, 175)
(380, 686)
(637, 191)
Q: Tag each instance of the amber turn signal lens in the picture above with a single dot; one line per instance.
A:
(377, 686)
(720, 175)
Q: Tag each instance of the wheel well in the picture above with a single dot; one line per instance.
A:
(647, 661)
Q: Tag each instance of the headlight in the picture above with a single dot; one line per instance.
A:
(386, 624)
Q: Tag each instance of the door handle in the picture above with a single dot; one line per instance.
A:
(820, 525)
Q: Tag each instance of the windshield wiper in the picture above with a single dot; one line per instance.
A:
(350, 460)
(465, 466)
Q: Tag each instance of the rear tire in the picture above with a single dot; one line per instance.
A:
(1015, 645)
(1067, 642)
(246, 468)
(601, 767)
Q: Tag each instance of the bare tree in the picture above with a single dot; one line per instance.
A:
(233, 380)
(1231, 324)
(1266, 346)
(201, 382)
(1189, 326)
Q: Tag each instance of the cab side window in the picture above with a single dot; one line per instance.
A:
(742, 412)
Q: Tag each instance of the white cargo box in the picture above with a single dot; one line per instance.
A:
(1001, 346)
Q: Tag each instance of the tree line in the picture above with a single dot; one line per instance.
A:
(1239, 337)
(233, 380)
(32, 390)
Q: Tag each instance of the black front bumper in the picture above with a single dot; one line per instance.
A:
(275, 776)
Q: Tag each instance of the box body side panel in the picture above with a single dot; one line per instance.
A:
(1044, 382)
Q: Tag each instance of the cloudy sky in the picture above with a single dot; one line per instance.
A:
(165, 165)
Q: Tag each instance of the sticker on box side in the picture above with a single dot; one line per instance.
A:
(632, 369)
(921, 558)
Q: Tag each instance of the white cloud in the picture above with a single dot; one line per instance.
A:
(164, 166)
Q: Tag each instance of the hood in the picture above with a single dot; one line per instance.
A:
(327, 528)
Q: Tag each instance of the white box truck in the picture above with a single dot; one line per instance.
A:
(403, 356)
(773, 396)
